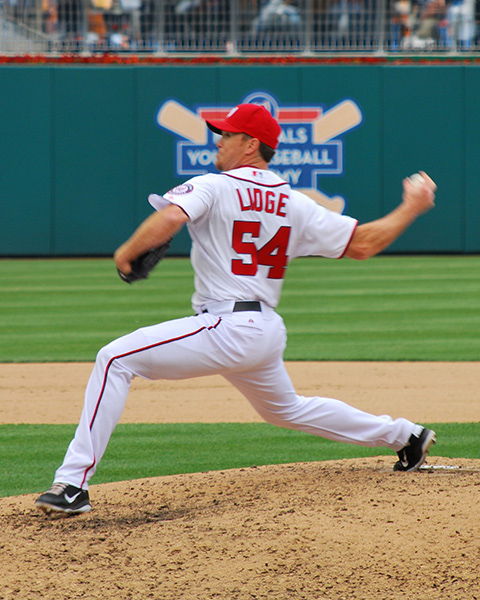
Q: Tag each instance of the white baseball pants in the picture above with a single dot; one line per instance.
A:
(247, 349)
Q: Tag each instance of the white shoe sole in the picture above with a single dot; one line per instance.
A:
(49, 508)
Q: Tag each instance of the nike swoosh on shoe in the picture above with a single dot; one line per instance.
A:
(72, 498)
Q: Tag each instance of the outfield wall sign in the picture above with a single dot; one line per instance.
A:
(310, 146)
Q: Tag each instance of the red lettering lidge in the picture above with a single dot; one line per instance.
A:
(259, 200)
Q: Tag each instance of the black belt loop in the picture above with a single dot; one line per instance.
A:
(245, 305)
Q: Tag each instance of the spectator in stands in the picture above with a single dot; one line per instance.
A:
(429, 14)
(277, 15)
(346, 23)
(278, 21)
(71, 22)
(402, 22)
(49, 16)
(460, 24)
(201, 24)
(149, 23)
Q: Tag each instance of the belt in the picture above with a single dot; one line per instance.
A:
(245, 305)
(242, 305)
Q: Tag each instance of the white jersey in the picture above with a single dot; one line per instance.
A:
(246, 225)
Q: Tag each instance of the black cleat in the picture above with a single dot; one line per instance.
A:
(413, 455)
(64, 498)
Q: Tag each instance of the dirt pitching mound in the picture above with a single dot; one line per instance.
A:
(340, 530)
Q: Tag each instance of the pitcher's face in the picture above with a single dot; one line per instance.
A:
(232, 149)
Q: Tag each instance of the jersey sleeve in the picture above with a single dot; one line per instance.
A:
(195, 197)
(320, 232)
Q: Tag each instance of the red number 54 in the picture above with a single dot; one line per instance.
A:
(273, 254)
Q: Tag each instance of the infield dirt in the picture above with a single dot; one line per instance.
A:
(349, 529)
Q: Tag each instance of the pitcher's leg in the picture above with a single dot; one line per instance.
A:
(170, 350)
(105, 397)
(271, 393)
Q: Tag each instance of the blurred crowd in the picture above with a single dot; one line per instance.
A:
(231, 25)
(430, 23)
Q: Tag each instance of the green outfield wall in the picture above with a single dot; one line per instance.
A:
(82, 146)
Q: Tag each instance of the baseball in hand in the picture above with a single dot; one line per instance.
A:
(416, 180)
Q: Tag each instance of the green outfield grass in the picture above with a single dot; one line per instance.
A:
(29, 454)
(388, 308)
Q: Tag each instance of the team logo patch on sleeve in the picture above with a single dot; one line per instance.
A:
(185, 188)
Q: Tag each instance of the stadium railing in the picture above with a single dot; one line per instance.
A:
(238, 27)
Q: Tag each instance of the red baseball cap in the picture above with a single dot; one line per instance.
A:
(252, 119)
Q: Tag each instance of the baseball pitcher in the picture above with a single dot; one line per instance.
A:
(246, 225)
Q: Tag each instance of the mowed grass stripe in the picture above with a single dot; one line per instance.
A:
(29, 454)
(386, 308)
